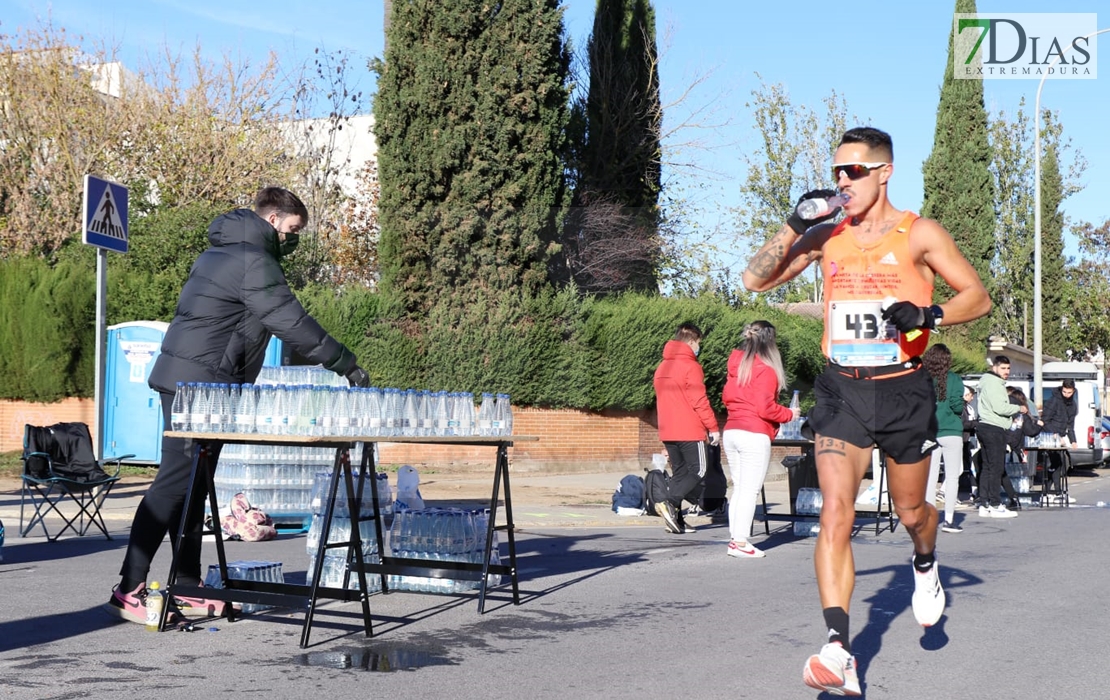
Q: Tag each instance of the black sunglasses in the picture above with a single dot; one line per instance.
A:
(855, 171)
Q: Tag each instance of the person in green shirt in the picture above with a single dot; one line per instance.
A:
(949, 389)
(995, 417)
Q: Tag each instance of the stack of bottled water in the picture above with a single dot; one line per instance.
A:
(437, 534)
(809, 502)
(792, 430)
(320, 405)
(277, 479)
(1044, 440)
(266, 571)
(335, 560)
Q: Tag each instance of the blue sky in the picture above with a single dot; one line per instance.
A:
(886, 59)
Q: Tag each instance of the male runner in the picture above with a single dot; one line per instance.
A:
(878, 264)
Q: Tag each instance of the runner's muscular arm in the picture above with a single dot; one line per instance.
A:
(784, 256)
(934, 248)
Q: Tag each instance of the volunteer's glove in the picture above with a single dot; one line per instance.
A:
(907, 316)
(798, 223)
(358, 377)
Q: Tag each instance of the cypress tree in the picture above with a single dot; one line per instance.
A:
(470, 118)
(1054, 311)
(959, 190)
(613, 236)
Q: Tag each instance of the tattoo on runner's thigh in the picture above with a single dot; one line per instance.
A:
(827, 445)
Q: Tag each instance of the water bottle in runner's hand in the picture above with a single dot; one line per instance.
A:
(810, 209)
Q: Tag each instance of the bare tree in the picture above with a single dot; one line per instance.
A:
(796, 147)
(178, 131)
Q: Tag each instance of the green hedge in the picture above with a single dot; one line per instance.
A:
(560, 350)
(47, 322)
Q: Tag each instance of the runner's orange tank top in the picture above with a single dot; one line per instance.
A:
(858, 279)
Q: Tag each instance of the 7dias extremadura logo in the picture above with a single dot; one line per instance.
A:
(1025, 46)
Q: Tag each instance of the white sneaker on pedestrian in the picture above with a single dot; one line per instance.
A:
(984, 512)
(833, 670)
(745, 551)
(1001, 511)
(928, 596)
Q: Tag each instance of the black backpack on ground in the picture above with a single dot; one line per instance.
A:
(655, 489)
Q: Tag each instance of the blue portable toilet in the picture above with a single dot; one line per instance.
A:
(132, 410)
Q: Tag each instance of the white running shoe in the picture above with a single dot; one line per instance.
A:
(833, 670)
(1002, 512)
(745, 551)
(928, 596)
(984, 512)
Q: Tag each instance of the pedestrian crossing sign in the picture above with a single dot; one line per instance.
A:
(105, 214)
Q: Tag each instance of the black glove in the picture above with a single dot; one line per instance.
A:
(358, 377)
(907, 316)
(798, 223)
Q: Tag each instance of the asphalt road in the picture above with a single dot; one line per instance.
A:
(613, 611)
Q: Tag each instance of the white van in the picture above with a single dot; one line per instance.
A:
(1092, 429)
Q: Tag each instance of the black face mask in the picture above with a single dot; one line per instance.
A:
(287, 246)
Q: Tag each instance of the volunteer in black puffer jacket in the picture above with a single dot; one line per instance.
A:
(236, 297)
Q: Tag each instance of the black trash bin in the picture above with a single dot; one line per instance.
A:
(801, 473)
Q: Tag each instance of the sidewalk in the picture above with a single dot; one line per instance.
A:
(541, 500)
(581, 499)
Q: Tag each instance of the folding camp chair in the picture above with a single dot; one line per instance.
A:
(59, 464)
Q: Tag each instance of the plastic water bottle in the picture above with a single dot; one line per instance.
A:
(179, 411)
(809, 209)
(198, 408)
(245, 409)
(466, 414)
(795, 425)
(154, 602)
(409, 416)
(442, 414)
(504, 413)
(486, 415)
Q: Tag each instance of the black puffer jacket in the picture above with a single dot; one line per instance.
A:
(1059, 414)
(235, 298)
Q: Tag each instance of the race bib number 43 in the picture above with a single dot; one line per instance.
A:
(858, 336)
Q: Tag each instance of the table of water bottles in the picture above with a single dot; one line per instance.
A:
(805, 511)
(436, 550)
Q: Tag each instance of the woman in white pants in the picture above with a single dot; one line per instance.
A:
(949, 389)
(755, 378)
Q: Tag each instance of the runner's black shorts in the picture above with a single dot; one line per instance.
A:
(897, 413)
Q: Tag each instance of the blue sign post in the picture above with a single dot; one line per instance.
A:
(104, 225)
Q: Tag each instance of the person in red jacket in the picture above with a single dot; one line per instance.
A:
(685, 418)
(755, 378)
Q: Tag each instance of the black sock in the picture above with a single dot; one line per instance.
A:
(836, 619)
(126, 585)
(924, 562)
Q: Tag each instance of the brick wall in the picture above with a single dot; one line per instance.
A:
(569, 440)
(15, 414)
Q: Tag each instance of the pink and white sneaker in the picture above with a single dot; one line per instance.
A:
(744, 550)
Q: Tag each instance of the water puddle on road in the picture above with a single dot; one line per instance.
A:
(381, 659)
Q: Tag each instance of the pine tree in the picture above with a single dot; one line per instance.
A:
(612, 237)
(470, 117)
(959, 191)
(1055, 337)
